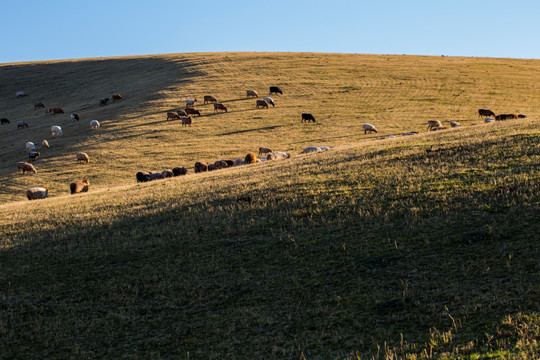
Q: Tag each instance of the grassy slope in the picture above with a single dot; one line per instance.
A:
(336, 252)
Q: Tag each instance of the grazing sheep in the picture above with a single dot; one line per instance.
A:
(485, 113)
(56, 130)
(212, 167)
(270, 101)
(30, 146)
(209, 98)
(172, 116)
(221, 164)
(4, 121)
(307, 117)
(238, 162)
(261, 104)
(143, 176)
(200, 167)
(22, 124)
(521, 116)
(368, 128)
(79, 186)
(39, 104)
(190, 102)
(116, 97)
(103, 101)
(187, 121)
(45, 144)
(179, 170)
(219, 106)
(94, 124)
(455, 124)
(277, 155)
(191, 111)
(25, 167)
(182, 113)
(506, 116)
(264, 150)
(33, 155)
(75, 117)
(275, 90)
(20, 94)
(433, 124)
(251, 93)
(83, 157)
(310, 149)
(156, 175)
(250, 158)
(54, 111)
(36, 193)
(167, 173)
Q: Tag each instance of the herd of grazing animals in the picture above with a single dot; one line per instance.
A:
(185, 115)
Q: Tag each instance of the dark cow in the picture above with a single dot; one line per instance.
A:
(103, 101)
(33, 155)
(485, 113)
(307, 117)
(275, 90)
(4, 121)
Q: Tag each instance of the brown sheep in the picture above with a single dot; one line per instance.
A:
(264, 150)
(251, 93)
(220, 164)
(433, 124)
(179, 170)
(45, 144)
(167, 173)
(116, 97)
(209, 98)
(250, 158)
(54, 111)
(79, 186)
(83, 157)
(181, 113)
(200, 166)
(37, 193)
(173, 116)
(192, 111)
(187, 121)
(485, 113)
(219, 106)
(25, 167)
(261, 104)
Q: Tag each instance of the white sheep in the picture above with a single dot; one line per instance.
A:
(30, 146)
(94, 124)
(270, 101)
(277, 155)
(56, 130)
(314, 149)
(433, 124)
(251, 93)
(190, 102)
(368, 128)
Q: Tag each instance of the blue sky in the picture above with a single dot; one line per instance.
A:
(61, 29)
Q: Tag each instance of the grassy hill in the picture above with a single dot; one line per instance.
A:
(420, 246)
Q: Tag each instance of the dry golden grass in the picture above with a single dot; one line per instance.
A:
(409, 247)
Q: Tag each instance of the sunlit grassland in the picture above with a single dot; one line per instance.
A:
(422, 246)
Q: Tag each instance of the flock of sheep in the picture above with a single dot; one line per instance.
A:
(186, 118)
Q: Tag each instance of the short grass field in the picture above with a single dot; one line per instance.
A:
(414, 247)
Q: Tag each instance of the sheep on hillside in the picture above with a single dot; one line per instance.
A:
(83, 157)
(79, 186)
(37, 193)
(25, 167)
(94, 124)
(368, 128)
(30, 146)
